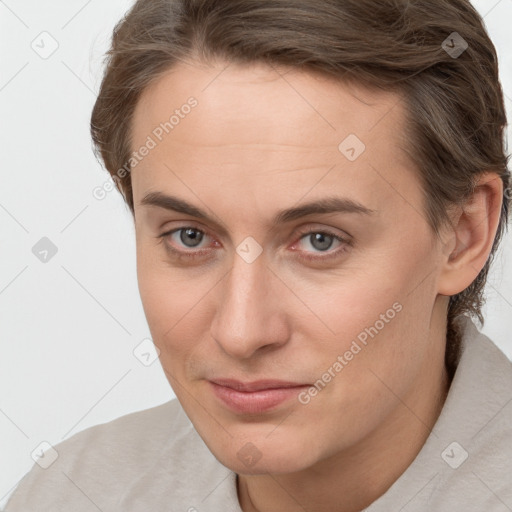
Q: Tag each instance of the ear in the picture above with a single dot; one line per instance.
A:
(472, 235)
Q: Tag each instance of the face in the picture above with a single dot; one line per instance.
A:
(339, 301)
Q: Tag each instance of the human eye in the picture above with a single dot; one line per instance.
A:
(186, 243)
(183, 242)
(321, 240)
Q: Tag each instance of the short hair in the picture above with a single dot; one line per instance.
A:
(455, 113)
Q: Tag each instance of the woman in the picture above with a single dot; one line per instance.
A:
(318, 188)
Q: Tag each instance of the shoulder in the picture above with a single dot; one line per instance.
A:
(466, 461)
(109, 456)
(136, 435)
(475, 445)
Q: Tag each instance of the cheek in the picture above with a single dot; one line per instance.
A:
(152, 288)
(376, 348)
(174, 303)
(376, 314)
(163, 298)
(349, 302)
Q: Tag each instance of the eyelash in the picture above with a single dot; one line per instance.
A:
(189, 255)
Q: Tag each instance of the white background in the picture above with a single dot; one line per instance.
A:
(68, 327)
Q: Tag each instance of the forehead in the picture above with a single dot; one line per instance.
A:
(271, 97)
(254, 122)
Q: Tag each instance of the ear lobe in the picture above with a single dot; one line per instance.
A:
(472, 236)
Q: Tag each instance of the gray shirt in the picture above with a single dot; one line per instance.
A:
(154, 460)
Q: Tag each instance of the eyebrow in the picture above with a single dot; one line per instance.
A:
(326, 205)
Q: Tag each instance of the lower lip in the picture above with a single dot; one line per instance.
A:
(254, 402)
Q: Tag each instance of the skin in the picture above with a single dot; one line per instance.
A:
(260, 140)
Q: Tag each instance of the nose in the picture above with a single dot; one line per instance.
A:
(250, 316)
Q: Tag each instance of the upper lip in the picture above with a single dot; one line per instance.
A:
(256, 385)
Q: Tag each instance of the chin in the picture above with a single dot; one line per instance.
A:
(262, 456)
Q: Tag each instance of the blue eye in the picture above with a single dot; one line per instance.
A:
(190, 234)
(191, 237)
(188, 237)
(322, 241)
(319, 240)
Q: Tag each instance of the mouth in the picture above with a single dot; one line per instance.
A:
(255, 397)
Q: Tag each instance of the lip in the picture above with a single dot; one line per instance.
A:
(257, 385)
(255, 397)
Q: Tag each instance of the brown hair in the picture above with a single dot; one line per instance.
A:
(456, 114)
